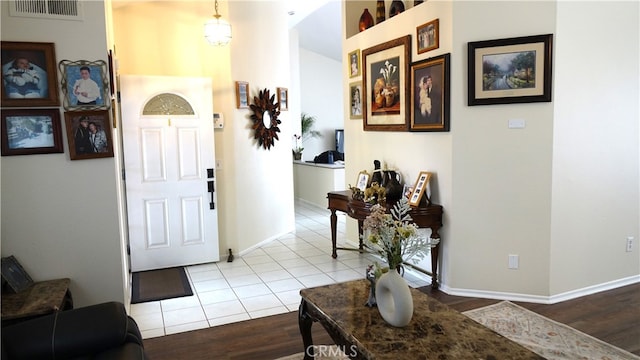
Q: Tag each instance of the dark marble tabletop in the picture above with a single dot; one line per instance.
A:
(435, 331)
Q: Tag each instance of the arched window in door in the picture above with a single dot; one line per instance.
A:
(167, 104)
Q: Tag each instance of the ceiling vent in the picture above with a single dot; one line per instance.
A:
(49, 9)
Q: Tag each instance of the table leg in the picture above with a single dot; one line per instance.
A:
(334, 222)
(304, 323)
(434, 259)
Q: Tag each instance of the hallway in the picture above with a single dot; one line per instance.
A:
(264, 282)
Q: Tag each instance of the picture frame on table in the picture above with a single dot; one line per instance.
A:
(355, 98)
(386, 96)
(430, 94)
(89, 134)
(242, 95)
(283, 98)
(15, 275)
(428, 36)
(354, 63)
(85, 85)
(419, 194)
(29, 74)
(31, 131)
(363, 180)
(512, 70)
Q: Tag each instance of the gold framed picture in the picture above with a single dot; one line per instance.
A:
(420, 188)
(242, 95)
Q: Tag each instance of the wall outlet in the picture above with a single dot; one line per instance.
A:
(513, 261)
(630, 243)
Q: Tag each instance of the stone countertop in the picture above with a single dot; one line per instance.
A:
(435, 331)
(336, 165)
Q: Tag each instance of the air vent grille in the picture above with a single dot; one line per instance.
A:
(51, 9)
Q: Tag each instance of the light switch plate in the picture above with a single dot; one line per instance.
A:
(517, 123)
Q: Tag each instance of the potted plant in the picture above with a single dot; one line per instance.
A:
(306, 124)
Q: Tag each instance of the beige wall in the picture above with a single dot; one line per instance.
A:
(60, 217)
(545, 193)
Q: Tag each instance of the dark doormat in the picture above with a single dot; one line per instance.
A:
(159, 284)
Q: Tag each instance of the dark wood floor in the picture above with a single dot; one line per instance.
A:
(612, 316)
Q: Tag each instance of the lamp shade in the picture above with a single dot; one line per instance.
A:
(217, 31)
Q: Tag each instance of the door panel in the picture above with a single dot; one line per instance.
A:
(168, 143)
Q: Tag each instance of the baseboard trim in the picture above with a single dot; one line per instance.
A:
(553, 299)
(264, 242)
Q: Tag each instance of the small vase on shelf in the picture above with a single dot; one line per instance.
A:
(366, 20)
(396, 8)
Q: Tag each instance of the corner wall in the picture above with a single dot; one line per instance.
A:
(60, 217)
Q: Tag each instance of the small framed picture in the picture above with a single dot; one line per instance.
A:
(419, 189)
(88, 134)
(283, 98)
(428, 36)
(31, 131)
(14, 274)
(355, 91)
(85, 85)
(242, 94)
(354, 63)
(363, 180)
(29, 76)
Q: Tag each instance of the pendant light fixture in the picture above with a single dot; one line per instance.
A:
(217, 31)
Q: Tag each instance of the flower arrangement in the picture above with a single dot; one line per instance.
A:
(394, 236)
(389, 72)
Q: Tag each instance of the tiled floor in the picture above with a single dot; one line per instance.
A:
(264, 282)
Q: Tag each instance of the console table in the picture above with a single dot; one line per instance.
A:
(41, 298)
(435, 332)
(424, 217)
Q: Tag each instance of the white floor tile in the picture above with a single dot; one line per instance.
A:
(263, 282)
(183, 316)
(261, 302)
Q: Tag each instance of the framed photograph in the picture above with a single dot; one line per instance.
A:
(514, 70)
(428, 36)
(31, 131)
(355, 91)
(29, 76)
(363, 180)
(418, 194)
(430, 90)
(14, 274)
(385, 73)
(242, 94)
(283, 99)
(85, 85)
(89, 134)
(354, 63)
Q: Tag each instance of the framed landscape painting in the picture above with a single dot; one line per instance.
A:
(513, 70)
(31, 131)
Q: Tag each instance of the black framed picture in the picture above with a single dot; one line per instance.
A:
(513, 70)
(31, 131)
(14, 274)
(29, 75)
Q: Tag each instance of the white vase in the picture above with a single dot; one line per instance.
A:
(394, 299)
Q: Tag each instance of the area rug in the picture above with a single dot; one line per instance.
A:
(154, 285)
(544, 336)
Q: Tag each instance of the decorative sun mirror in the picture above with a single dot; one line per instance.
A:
(265, 119)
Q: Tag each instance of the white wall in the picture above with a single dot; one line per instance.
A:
(596, 148)
(60, 217)
(251, 181)
(545, 192)
(321, 94)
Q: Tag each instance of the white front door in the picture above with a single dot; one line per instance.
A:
(169, 158)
